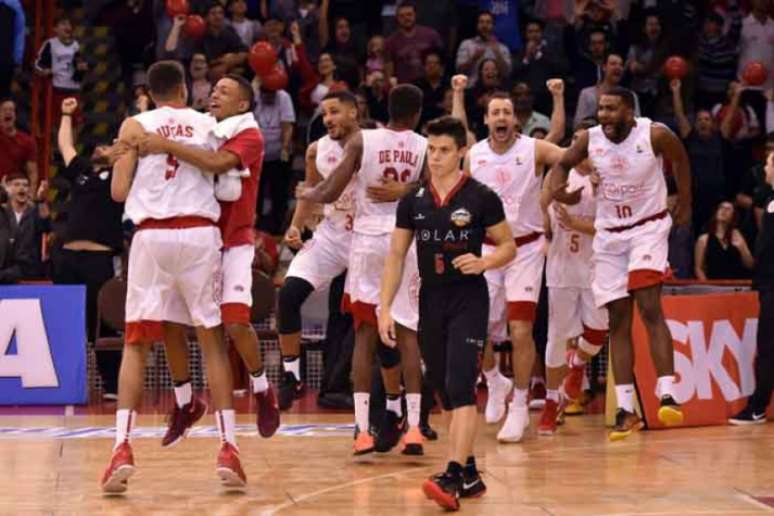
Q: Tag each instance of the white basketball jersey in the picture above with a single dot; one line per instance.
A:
(339, 214)
(512, 175)
(386, 154)
(164, 187)
(632, 185)
(569, 253)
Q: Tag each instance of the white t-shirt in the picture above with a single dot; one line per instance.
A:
(270, 118)
(756, 43)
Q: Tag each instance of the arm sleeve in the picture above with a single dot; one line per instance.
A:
(43, 62)
(247, 146)
(19, 32)
(404, 219)
(493, 209)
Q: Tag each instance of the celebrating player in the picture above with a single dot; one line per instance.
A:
(631, 241)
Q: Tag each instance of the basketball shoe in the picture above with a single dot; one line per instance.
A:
(364, 442)
(180, 420)
(748, 416)
(551, 417)
(670, 413)
(121, 467)
(229, 467)
(472, 484)
(267, 412)
(515, 424)
(290, 389)
(413, 442)
(390, 431)
(573, 382)
(444, 489)
(498, 390)
(626, 423)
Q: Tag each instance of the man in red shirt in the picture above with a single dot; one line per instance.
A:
(237, 161)
(18, 152)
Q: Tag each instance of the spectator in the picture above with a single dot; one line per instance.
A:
(18, 153)
(523, 107)
(375, 57)
(12, 32)
(587, 69)
(594, 16)
(221, 45)
(307, 15)
(506, 21)
(757, 40)
(644, 63)
(477, 98)
(716, 56)
(751, 198)
(274, 30)
(345, 54)
(326, 68)
(200, 87)
(680, 254)
(706, 153)
(433, 87)
(248, 30)
(484, 46)
(26, 224)
(536, 63)
(275, 116)
(93, 234)
(613, 71)
(737, 122)
(722, 252)
(405, 47)
(60, 58)
(441, 16)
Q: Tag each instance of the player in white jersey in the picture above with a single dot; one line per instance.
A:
(174, 265)
(512, 165)
(571, 309)
(395, 153)
(631, 241)
(326, 255)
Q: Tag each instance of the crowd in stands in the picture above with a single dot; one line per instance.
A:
(368, 47)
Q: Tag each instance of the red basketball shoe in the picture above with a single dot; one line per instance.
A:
(180, 420)
(229, 468)
(121, 467)
(267, 412)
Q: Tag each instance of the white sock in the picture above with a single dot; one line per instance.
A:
(553, 395)
(293, 366)
(665, 385)
(183, 395)
(519, 397)
(625, 396)
(536, 380)
(226, 422)
(362, 400)
(585, 385)
(413, 407)
(259, 383)
(492, 375)
(125, 420)
(394, 405)
(577, 361)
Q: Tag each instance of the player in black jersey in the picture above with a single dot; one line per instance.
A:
(449, 216)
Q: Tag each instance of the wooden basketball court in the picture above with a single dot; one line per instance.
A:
(51, 465)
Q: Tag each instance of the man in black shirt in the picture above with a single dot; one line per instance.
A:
(449, 216)
(222, 46)
(763, 282)
(93, 234)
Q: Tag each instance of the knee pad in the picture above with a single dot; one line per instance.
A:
(291, 296)
(389, 357)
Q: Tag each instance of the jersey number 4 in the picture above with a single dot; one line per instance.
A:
(391, 173)
(172, 166)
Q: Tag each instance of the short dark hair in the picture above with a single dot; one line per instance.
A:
(484, 13)
(3, 100)
(498, 95)
(406, 3)
(212, 6)
(62, 18)
(404, 103)
(245, 88)
(165, 77)
(448, 126)
(535, 21)
(625, 94)
(343, 96)
(432, 51)
(611, 54)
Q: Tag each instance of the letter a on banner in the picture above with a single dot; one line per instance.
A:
(33, 363)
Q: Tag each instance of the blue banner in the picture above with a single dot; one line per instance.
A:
(43, 345)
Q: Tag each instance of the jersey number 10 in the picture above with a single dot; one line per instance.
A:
(623, 211)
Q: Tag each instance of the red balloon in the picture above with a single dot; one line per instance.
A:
(262, 57)
(754, 73)
(675, 67)
(195, 27)
(177, 7)
(276, 79)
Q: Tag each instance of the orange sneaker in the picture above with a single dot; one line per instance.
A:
(229, 467)
(412, 442)
(364, 442)
(121, 467)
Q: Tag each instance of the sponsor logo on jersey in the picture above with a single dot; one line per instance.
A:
(461, 217)
(419, 216)
(518, 160)
(420, 192)
(619, 192)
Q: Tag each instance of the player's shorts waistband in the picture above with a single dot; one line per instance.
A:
(185, 222)
(520, 240)
(658, 216)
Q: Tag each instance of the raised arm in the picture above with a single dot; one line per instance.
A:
(573, 156)
(666, 143)
(727, 125)
(65, 135)
(215, 162)
(459, 83)
(558, 115)
(173, 40)
(547, 154)
(683, 125)
(330, 189)
(123, 170)
(304, 208)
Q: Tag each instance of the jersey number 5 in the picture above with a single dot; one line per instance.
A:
(391, 173)
(574, 243)
(172, 166)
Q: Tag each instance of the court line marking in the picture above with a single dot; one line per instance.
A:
(747, 497)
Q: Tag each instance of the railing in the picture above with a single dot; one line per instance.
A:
(41, 125)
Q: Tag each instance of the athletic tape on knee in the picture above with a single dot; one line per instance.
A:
(389, 357)
(291, 296)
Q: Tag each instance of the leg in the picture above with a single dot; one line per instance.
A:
(176, 349)
(366, 340)
(661, 348)
(131, 376)
(219, 377)
(764, 359)
(523, 353)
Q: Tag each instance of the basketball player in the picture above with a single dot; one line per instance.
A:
(571, 308)
(449, 216)
(512, 165)
(631, 241)
(326, 255)
(395, 152)
(236, 145)
(174, 266)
